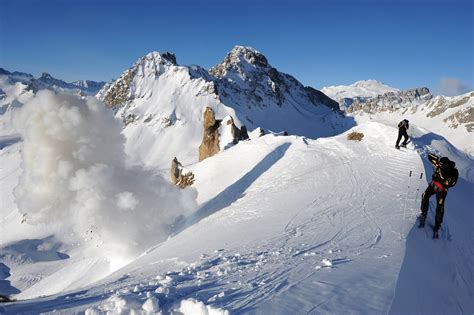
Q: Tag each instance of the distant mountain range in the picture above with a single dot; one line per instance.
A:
(450, 116)
(46, 81)
(364, 88)
(161, 103)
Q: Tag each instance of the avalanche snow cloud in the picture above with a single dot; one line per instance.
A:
(74, 177)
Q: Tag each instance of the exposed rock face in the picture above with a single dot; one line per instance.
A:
(455, 111)
(390, 101)
(158, 92)
(462, 117)
(317, 96)
(119, 93)
(237, 134)
(123, 90)
(219, 134)
(210, 138)
(463, 106)
(246, 77)
(243, 133)
(179, 176)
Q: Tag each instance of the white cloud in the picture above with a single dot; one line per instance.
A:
(74, 175)
(452, 87)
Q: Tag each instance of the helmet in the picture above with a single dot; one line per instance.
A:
(445, 160)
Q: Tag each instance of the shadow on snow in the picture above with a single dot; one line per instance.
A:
(237, 189)
(436, 275)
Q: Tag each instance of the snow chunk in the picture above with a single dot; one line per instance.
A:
(195, 307)
(151, 305)
(115, 305)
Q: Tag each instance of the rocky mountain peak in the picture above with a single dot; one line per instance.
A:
(4, 72)
(421, 92)
(153, 64)
(240, 59)
(46, 76)
(248, 54)
(158, 58)
(149, 67)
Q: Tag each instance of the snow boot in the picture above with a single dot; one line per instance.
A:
(397, 147)
(422, 221)
(403, 145)
(436, 232)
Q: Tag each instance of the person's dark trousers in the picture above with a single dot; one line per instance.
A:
(400, 134)
(440, 199)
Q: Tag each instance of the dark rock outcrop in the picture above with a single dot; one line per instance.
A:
(210, 138)
(179, 177)
(390, 101)
(243, 133)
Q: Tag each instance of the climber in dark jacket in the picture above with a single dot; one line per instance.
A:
(445, 176)
(402, 131)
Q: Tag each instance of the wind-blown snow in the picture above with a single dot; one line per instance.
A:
(74, 174)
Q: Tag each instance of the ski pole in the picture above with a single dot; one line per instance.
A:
(406, 197)
(418, 190)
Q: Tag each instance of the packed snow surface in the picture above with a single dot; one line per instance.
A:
(282, 225)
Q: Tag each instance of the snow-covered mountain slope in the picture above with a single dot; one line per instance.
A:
(88, 86)
(46, 81)
(284, 225)
(13, 94)
(452, 117)
(16, 76)
(162, 106)
(245, 79)
(364, 88)
(162, 103)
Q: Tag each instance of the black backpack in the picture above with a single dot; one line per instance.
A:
(447, 172)
(403, 123)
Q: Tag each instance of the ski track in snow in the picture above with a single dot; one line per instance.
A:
(338, 247)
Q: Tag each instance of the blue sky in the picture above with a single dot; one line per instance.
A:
(403, 43)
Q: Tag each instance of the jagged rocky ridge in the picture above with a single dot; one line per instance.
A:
(162, 102)
(451, 116)
(459, 109)
(391, 101)
(245, 78)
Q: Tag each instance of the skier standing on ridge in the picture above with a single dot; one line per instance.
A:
(445, 176)
(402, 131)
